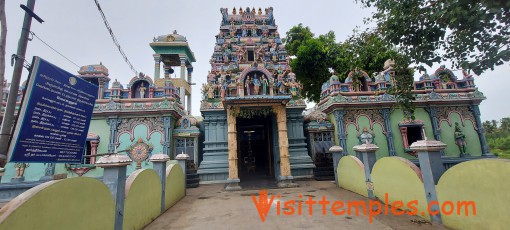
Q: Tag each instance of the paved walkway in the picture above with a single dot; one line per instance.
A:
(210, 207)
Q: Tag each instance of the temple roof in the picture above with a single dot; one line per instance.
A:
(174, 37)
(97, 69)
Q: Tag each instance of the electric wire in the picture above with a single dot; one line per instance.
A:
(114, 38)
(56, 51)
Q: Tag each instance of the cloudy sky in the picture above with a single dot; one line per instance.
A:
(75, 29)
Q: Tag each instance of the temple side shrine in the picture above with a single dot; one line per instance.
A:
(447, 109)
(143, 117)
(252, 108)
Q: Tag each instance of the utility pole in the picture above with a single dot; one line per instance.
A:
(8, 119)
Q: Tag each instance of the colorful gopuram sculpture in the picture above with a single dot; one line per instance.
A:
(251, 78)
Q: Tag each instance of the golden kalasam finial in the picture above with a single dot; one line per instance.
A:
(240, 10)
(260, 11)
(234, 11)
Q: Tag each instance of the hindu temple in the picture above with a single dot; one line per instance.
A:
(253, 125)
(252, 108)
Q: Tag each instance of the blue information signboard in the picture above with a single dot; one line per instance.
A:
(54, 118)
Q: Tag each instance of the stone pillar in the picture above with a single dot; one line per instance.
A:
(113, 123)
(337, 153)
(342, 139)
(481, 130)
(93, 150)
(183, 68)
(181, 159)
(285, 179)
(114, 178)
(431, 166)
(157, 65)
(167, 127)
(100, 90)
(386, 113)
(188, 103)
(159, 165)
(233, 178)
(367, 153)
(166, 70)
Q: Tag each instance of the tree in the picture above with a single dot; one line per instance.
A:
(312, 67)
(295, 37)
(498, 138)
(315, 56)
(490, 126)
(471, 34)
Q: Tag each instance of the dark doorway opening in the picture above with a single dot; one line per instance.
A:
(251, 55)
(414, 134)
(255, 152)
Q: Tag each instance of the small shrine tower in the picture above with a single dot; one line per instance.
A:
(173, 50)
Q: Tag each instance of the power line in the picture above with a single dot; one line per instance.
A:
(33, 34)
(114, 39)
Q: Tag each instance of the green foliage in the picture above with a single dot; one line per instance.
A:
(498, 137)
(295, 37)
(402, 89)
(312, 67)
(471, 34)
(315, 56)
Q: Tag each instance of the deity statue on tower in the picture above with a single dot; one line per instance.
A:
(264, 85)
(247, 85)
(256, 85)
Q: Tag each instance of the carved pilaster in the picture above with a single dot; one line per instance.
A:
(113, 123)
(339, 117)
(167, 127)
(432, 111)
(481, 130)
(386, 113)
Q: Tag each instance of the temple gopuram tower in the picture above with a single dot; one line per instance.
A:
(173, 50)
(251, 104)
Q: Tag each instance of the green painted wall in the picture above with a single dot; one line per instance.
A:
(101, 128)
(34, 172)
(143, 199)
(76, 203)
(399, 180)
(351, 175)
(422, 115)
(175, 189)
(486, 182)
(473, 146)
(396, 117)
(140, 131)
(380, 138)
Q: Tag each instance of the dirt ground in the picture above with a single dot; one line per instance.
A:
(210, 207)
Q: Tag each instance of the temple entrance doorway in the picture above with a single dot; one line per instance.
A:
(255, 152)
